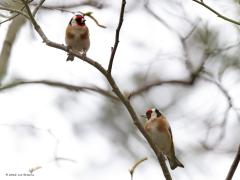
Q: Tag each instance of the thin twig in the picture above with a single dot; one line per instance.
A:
(114, 49)
(113, 84)
(217, 13)
(89, 14)
(185, 82)
(38, 7)
(159, 83)
(158, 18)
(95, 4)
(138, 162)
(15, 10)
(33, 169)
(9, 19)
(12, 17)
(234, 165)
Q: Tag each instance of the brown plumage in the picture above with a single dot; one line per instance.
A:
(77, 36)
(159, 130)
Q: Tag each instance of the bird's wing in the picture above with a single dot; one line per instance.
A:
(170, 131)
(172, 149)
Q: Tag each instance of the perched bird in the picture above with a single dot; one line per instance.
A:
(77, 36)
(159, 130)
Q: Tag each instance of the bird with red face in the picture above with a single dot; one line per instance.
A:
(159, 130)
(77, 36)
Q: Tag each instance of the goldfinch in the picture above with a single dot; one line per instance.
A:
(159, 130)
(77, 36)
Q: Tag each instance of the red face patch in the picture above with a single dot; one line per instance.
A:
(80, 20)
(79, 17)
(149, 113)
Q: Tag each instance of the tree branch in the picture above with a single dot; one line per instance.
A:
(14, 10)
(187, 82)
(137, 163)
(234, 165)
(113, 84)
(217, 13)
(9, 19)
(223, 123)
(38, 7)
(93, 3)
(159, 83)
(114, 49)
(61, 85)
(89, 14)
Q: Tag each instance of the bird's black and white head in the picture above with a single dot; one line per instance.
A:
(77, 20)
(152, 113)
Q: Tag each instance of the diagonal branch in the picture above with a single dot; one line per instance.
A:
(114, 49)
(234, 165)
(113, 84)
(38, 7)
(217, 13)
(9, 19)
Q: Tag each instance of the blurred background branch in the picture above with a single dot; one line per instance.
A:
(56, 84)
(217, 13)
(13, 29)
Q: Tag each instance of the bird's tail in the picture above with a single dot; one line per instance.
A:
(174, 163)
(70, 57)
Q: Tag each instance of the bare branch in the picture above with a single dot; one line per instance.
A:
(132, 169)
(217, 13)
(224, 120)
(9, 19)
(61, 85)
(9, 40)
(92, 3)
(14, 10)
(158, 18)
(89, 14)
(188, 82)
(114, 49)
(159, 83)
(38, 7)
(234, 165)
(33, 169)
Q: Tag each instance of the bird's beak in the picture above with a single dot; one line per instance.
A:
(144, 116)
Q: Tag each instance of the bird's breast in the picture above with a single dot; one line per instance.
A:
(160, 136)
(77, 38)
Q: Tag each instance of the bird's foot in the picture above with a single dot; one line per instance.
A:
(70, 56)
(84, 53)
